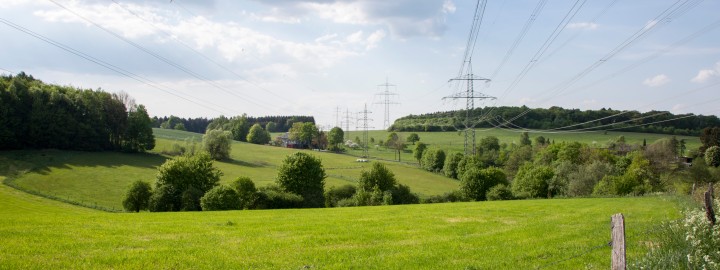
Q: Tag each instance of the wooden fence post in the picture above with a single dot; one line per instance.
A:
(709, 212)
(617, 223)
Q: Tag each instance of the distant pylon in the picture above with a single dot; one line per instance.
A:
(364, 120)
(347, 124)
(469, 95)
(386, 101)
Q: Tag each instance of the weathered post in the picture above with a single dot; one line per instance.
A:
(617, 223)
(709, 212)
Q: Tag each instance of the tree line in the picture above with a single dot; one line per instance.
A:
(36, 115)
(557, 117)
(200, 125)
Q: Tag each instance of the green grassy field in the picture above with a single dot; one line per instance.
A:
(38, 233)
(454, 141)
(101, 178)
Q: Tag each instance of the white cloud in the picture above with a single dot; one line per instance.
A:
(705, 74)
(230, 40)
(679, 108)
(583, 26)
(656, 81)
(403, 18)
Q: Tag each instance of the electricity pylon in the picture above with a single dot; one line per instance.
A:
(364, 126)
(386, 101)
(470, 96)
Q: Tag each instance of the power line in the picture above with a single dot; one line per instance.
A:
(160, 57)
(107, 65)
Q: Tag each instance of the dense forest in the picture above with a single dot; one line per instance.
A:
(560, 119)
(36, 115)
(199, 125)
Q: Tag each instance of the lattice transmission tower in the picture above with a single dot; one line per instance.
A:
(469, 96)
(363, 124)
(386, 94)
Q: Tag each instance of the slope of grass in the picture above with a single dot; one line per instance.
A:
(101, 178)
(41, 234)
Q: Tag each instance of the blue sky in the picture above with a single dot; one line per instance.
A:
(283, 57)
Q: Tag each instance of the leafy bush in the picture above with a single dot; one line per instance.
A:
(379, 176)
(220, 198)
(433, 160)
(337, 194)
(274, 197)
(402, 195)
(137, 197)
(182, 181)
(499, 192)
(712, 156)
(476, 182)
(451, 165)
(453, 196)
(218, 143)
(246, 192)
(532, 181)
(258, 135)
(303, 174)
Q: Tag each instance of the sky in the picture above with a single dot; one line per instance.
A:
(331, 58)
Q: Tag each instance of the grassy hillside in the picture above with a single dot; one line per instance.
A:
(101, 178)
(453, 140)
(42, 234)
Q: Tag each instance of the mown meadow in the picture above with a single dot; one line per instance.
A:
(38, 233)
(102, 178)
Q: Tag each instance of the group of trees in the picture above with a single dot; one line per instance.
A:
(34, 114)
(200, 125)
(556, 117)
(546, 170)
(190, 183)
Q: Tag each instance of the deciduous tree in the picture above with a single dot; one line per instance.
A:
(303, 174)
(218, 143)
(137, 197)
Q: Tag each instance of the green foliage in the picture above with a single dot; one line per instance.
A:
(540, 141)
(419, 151)
(179, 126)
(699, 172)
(137, 197)
(467, 163)
(532, 181)
(433, 160)
(217, 143)
(303, 132)
(258, 135)
(336, 194)
(635, 180)
(271, 127)
(453, 196)
(709, 137)
(274, 197)
(373, 197)
(500, 192)
(182, 181)
(239, 126)
(379, 176)
(335, 139)
(401, 194)
(220, 198)
(475, 183)
(489, 143)
(582, 181)
(525, 139)
(451, 165)
(303, 174)
(139, 135)
(712, 156)
(517, 158)
(246, 192)
(413, 138)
